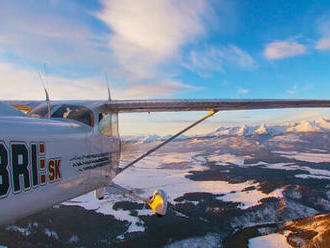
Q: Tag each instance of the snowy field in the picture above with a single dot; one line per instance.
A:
(150, 175)
(309, 157)
(168, 172)
(274, 240)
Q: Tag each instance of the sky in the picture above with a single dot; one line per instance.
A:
(168, 49)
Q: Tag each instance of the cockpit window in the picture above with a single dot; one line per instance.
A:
(41, 111)
(108, 124)
(105, 124)
(78, 113)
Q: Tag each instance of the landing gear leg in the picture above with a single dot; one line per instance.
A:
(99, 193)
(157, 202)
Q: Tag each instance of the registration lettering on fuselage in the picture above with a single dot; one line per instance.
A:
(24, 166)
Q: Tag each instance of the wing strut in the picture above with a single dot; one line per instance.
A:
(212, 112)
(158, 201)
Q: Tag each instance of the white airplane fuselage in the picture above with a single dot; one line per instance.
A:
(44, 162)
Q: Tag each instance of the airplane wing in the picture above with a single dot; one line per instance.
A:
(172, 105)
(127, 106)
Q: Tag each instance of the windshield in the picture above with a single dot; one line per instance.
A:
(78, 113)
(41, 111)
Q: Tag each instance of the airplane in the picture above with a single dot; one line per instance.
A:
(51, 152)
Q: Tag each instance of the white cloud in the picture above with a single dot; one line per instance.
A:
(293, 90)
(214, 58)
(283, 49)
(148, 33)
(323, 44)
(16, 82)
(144, 35)
(210, 59)
(301, 114)
(240, 57)
(161, 89)
(323, 28)
(242, 91)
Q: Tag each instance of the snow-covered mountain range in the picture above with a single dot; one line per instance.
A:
(320, 125)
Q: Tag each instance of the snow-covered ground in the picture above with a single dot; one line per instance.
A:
(274, 240)
(150, 175)
(313, 173)
(22, 230)
(168, 171)
(105, 207)
(209, 241)
(290, 138)
(224, 159)
(250, 198)
(308, 157)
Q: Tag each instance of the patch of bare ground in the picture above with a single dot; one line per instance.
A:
(312, 232)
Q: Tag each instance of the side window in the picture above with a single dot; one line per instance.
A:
(78, 113)
(108, 124)
(105, 124)
(114, 120)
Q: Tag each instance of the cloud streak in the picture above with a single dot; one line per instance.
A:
(43, 34)
(242, 91)
(217, 58)
(283, 49)
(293, 90)
(323, 44)
(163, 88)
(323, 27)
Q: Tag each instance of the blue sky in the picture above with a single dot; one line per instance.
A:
(168, 49)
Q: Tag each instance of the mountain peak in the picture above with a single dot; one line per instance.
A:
(261, 129)
(304, 126)
(323, 123)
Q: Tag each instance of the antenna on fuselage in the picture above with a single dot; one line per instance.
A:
(46, 76)
(46, 92)
(108, 86)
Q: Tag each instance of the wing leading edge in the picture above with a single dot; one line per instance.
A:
(131, 106)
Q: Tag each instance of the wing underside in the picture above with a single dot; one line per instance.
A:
(127, 106)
